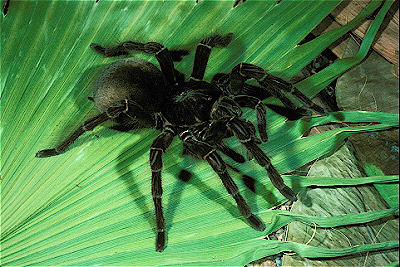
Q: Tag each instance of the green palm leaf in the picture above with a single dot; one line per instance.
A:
(92, 205)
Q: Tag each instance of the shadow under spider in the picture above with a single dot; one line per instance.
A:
(255, 186)
(185, 177)
(129, 178)
(175, 196)
(204, 189)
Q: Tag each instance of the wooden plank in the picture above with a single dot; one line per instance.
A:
(387, 41)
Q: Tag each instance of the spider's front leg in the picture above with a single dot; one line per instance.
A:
(274, 85)
(213, 133)
(157, 148)
(256, 104)
(228, 111)
(207, 152)
(232, 107)
(251, 96)
(245, 132)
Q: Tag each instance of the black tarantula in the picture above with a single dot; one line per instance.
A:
(133, 93)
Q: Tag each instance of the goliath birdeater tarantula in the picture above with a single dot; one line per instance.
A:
(133, 93)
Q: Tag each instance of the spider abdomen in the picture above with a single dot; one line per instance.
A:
(133, 79)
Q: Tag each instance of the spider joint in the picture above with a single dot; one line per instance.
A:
(246, 140)
(240, 71)
(159, 51)
(157, 148)
(235, 193)
(264, 77)
(208, 154)
(126, 105)
(111, 114)
(84, 127)
(194, 79)
(184, 138)
(206, 45)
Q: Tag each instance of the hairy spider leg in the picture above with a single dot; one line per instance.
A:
(245, 132)
(222, 81)
(232, 107)
(161, 53)
(243, 71)
(274, 85)
(225, 108)
(230, 153)
(238, 2)
(280, 84)
(203, 52)
(214, 132)
(207, 152)
(242, 89)
(157, 148)
(88, 125)
(252, 102)
(110, 51)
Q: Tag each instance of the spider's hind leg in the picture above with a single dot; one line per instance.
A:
(111, 51)
(88, 125)
(161, 53)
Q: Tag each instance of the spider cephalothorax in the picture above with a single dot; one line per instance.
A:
(133, 93)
